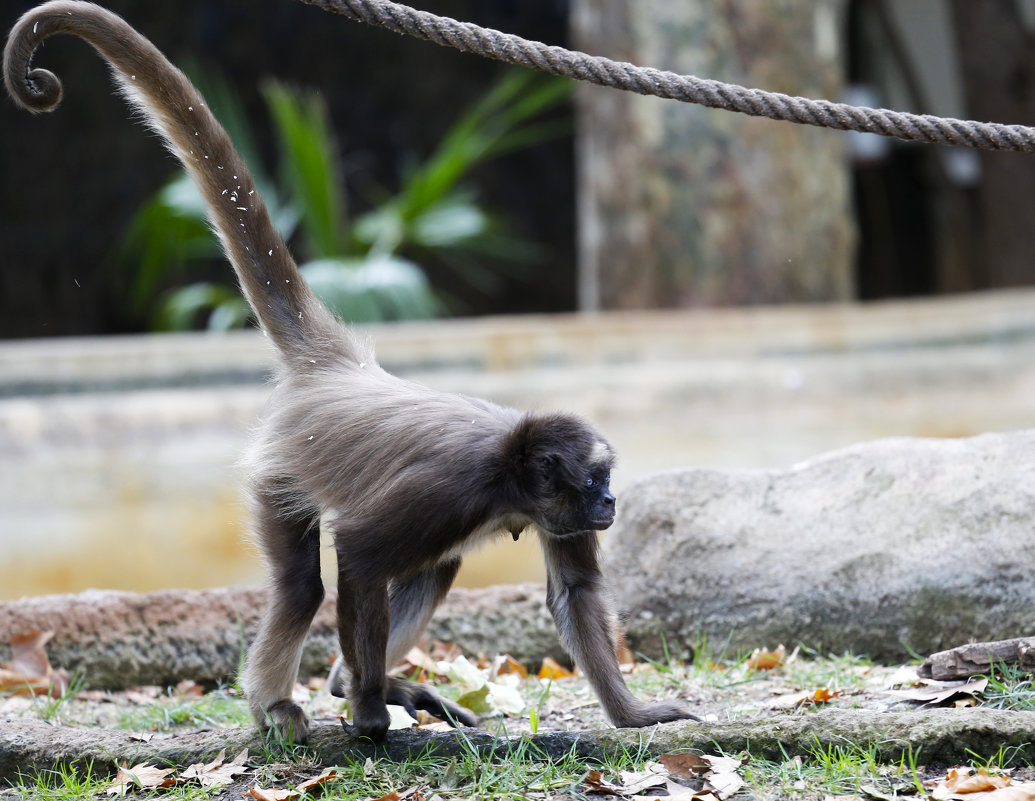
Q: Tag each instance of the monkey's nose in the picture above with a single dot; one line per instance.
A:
(608, 499)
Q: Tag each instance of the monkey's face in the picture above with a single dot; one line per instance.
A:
(577, 494)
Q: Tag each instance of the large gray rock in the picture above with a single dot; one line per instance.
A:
(884, 548)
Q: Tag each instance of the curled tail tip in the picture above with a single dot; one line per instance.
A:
(40, 91)
(36, 90)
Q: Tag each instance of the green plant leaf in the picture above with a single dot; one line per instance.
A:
(373, 289)
(310, 164)
(185, 306)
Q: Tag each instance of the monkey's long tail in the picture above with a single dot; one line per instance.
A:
(171, 106)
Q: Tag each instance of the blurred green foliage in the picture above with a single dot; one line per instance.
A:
(363, 267)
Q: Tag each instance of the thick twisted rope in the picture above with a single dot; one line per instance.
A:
(511, 49)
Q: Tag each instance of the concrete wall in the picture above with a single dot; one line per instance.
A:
(117, 455)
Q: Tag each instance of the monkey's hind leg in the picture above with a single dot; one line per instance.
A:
(291, 543)
(412, 604)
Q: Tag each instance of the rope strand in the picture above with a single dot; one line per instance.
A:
(470, 38)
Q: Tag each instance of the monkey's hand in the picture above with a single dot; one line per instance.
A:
(285, 720)
(648, 714)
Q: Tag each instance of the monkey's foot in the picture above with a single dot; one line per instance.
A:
(286, 721)
(649, 714)
(413, 697)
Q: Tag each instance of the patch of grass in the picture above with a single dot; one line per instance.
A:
(1009, 687)
(518, 775)
(216, 709)
(830, 769)
(49, 708)
(61, 784)
(837, 672)
(1008, 756)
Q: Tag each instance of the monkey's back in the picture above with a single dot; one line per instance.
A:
(352, 436)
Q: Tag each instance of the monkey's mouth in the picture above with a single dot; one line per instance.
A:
(601, 523)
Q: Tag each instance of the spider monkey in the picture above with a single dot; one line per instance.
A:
(405, 477)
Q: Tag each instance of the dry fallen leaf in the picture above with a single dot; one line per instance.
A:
(435, 725)
(216, 773)
(1024, 791)
(823, 695)
(761, 659)
(505, 664)
(140, 777)
(416, 661)
(723, 778)
(815, 698)
(676, 792)
(634, 782)
(29, 672)
(595, 782)
(551, 669)
(685, 766)
(188, 688)
(933, 693)
(270, 794)
(316, 781)
(961, 783)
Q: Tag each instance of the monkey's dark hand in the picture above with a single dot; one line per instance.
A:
(648, 714)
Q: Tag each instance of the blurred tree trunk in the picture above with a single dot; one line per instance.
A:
(997, 67)
(685, 206)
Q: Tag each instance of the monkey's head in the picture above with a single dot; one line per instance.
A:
(560, 469)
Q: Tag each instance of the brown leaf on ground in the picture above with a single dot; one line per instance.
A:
(140, 777)
(416, 661)
(188, 688)
(762, 659)
(217, 773)
(596, 782)
(963, 783)
(1015, 792)
(316, 781)
(552, 669)
(635, 782)
(937, 693)
(29, 672)
(685, 766)
(505, 663)
(270, 794)
(815, 698)
(723, 778)
(434, 724)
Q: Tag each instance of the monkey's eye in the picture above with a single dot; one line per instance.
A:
(590, 482)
